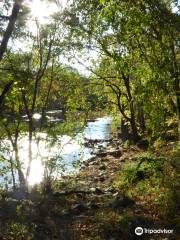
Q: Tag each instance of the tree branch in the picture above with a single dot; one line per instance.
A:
(10, 27)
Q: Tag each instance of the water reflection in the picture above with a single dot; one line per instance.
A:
(65, 153)
(99, 129)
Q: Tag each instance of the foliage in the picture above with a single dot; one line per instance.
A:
(136, 54)
(143, 168)
(156, 178)
(131, 52)
(18, 231)
(108, 223)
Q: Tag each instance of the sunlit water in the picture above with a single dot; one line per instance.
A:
(65, 154)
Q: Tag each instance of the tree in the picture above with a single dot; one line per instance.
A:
(39, 82)
(17, 5)
(135, 36)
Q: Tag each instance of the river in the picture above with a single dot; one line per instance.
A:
(66, 154)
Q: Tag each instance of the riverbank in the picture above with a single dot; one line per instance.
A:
(104, 200)
(103, 209)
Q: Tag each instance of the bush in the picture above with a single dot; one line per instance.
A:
(143, 168)
(157, 181)
(18, 231)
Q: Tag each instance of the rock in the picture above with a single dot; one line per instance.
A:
(83, 167)
(65, 213)
(79, 207)
(104, 159)
(102, 167)
(96, 191)
(115, 153)
(87, 144)
(100, 146)
(101, 174)
(92, 189)
(93, 141)
(111, 190)
(143, 144)
(121, 202)
(102, 178)
(108, 140)
(96, 162)
(93, 205)
(95, 179)
(123, 159)
(58, 194)
(91, 120)
(101, 154)
(115, 194)
(85, 164)
(116, 169)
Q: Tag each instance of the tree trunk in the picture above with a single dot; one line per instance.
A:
(12, 173)
(4, 43)
(141, 119)
(135, 134)
(132, 119)
(124, 135)
(176, 79)
(177, 89)
(22, 180)
(6, 89)
(29, 148)
(10, 27)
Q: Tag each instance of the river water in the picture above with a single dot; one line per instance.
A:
(66, 153)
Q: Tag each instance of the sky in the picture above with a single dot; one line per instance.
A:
(41, 10)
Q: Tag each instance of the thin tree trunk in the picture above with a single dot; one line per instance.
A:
(10, 27)
(177, 83)
(135, 134)
(5, 40)
(176, 79)
(12, 173)
(132, 119)
(6, 89)
(141, 119)
(29, 149)
(22, 180)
